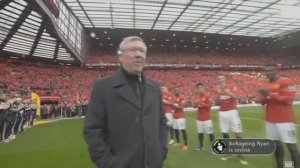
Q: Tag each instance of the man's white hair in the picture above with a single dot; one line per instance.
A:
(128, 39)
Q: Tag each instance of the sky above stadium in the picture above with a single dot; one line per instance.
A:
(260, 18)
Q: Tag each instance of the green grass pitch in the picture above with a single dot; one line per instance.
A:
(60, 145)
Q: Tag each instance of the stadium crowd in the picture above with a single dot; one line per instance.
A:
(199, 59)
(73, 83)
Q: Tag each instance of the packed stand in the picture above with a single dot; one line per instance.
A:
(199, 58)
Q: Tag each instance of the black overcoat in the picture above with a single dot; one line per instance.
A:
(122, 132)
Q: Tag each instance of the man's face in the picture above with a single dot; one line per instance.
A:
(164, 89)
(133, 57)
(271, 75)
(200, 89)
(177, 91)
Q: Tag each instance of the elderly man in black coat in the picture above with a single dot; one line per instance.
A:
(125, 125)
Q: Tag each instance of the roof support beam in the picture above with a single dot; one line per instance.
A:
(133, 8)
(16, 26)
(250, 24)
(56, 50)
(161, 9)
(194, 23)
(4, 3)
(290, 31)
(85, 13)
(111, 15)
(220, 18)
(211, 13)
(186, 7)
(238, 21)
(38, 36)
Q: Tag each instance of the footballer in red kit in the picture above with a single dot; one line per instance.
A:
(227, 102)
(277, 97)
(228, 114)
(203, 103)
(179, 119)
(167, 105)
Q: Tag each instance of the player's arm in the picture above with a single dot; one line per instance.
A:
(166, 102)
(262, 100)
(196, 103)
(94, 131)
(231, 92)
(207, 103)
(287, 98)
(180, 105)
(264, 95)
(288, 95)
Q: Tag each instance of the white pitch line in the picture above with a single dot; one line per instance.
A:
(246, 118)
(252, 119)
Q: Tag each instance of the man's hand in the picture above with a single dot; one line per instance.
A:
(228, 92)
(175, 106)
(166, 102)
(263, 92)
(196, 103)
(4, 106)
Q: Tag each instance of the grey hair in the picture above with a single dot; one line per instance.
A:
(128, 39)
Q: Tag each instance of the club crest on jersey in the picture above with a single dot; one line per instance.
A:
(275, 86)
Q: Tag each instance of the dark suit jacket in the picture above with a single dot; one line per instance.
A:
(119, 131)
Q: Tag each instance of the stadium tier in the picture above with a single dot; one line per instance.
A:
(200, 59)
(55, 80)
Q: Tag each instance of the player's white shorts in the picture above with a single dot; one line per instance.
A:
(285, 132)
(179, 123)
(169, 117)
(205, 126)
(230, 121)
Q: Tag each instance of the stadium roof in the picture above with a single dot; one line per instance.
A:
(259, 18)
(29, 31)
(26, 31)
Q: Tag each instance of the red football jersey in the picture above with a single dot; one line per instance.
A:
(178, 113)
(279, 102)
(167, 98)
(205, 103)
(226, 102)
